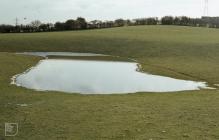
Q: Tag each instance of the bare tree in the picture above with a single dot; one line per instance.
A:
(36, 23)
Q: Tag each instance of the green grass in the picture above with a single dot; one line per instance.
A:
(93, 58)
(180, 52)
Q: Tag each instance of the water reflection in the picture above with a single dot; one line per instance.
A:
(98, 77)
(45, 54)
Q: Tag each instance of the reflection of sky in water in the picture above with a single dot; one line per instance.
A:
(81, 76)
(44, 54)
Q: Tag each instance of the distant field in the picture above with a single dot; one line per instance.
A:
(193, 51)
(180, 52)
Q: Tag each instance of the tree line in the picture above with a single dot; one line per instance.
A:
(211, 22)
(81, 24)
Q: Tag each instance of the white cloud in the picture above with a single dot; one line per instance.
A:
(54, 10)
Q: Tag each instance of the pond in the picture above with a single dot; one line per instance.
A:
(98, 77)
(46, 54)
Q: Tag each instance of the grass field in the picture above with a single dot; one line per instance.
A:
(180, 52)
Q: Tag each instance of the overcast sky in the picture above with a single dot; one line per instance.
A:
(60, 10)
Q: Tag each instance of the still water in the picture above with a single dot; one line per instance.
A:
(46, 54)
(98, 77)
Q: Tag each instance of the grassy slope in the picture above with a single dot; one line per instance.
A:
(183, 52)
(193, 51)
